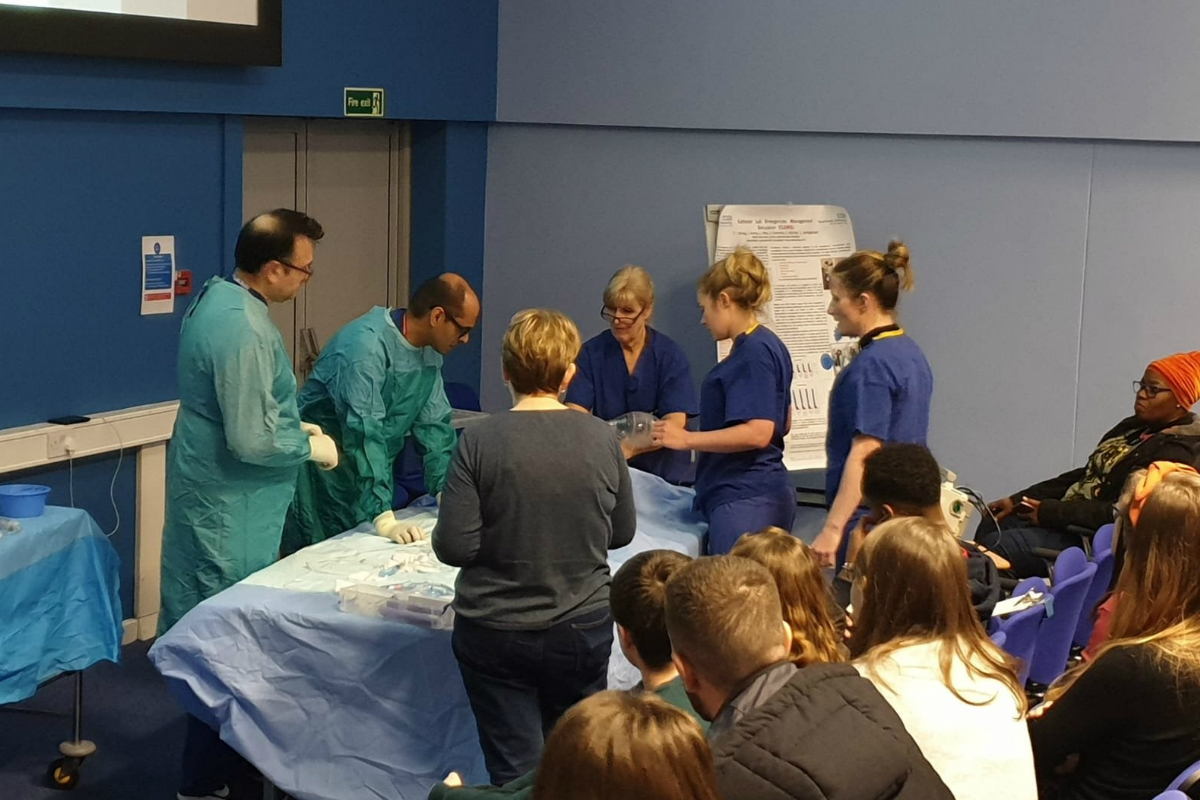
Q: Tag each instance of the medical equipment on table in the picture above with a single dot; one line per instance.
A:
(421, 603)
(635, 428)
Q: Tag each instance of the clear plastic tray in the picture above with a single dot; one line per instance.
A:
(425, 604)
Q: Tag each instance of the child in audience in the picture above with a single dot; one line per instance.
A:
(808, 606)
(1132, 715)
(638, 602)
(918, 639)
(622, 746)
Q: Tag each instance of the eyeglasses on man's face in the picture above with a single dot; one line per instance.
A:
(306, 270)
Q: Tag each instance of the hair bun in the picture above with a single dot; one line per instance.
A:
(896, 257)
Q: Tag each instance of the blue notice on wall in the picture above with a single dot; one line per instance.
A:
(158, 274)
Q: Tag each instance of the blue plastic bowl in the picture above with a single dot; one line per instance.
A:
(23, 500)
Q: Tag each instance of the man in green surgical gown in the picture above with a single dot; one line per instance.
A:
(238, 442)
(378, 381)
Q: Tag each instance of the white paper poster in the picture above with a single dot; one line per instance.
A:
(158, 274)
(795, 243)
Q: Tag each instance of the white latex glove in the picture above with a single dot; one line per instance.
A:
(311, 429)
(324, 451)
(400, 532)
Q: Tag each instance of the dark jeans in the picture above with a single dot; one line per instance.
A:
(520, 682)
(208, 763)
(1016, 540)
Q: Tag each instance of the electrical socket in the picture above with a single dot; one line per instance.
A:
(59, 444)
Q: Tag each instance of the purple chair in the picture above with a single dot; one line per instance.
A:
(1186, 785)
(999, 638)
(1171, 794)
(1102, 557)
(1073, 575)
(1020, 630)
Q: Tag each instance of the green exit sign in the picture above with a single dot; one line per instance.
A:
(364, 102)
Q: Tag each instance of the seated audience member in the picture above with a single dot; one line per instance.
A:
(625, 746)
(904, 480)
(1162, 428)
(822, 731)
(1131, 717)
(638, 602)
(918, 639)
(534, 500)
(808, 606)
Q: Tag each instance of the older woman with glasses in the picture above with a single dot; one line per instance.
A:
(1052, 514)
(633, 367)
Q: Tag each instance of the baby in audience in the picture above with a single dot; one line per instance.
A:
(812, 733)
(918, 639)
(638, 602)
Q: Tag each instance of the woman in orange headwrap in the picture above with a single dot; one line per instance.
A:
(1052, 513)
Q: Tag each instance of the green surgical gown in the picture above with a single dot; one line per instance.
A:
(233, 459)
(370, 389)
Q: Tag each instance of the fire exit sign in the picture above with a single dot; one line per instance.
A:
(364, 102)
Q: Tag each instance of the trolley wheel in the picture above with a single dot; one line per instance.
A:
(63, 773)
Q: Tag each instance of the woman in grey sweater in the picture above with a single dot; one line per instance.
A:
(534, 499)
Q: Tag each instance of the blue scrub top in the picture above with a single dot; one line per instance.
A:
(754, 382)
(661, 384)
(885, 393)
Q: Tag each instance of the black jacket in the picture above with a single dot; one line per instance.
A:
(827, 732)
(1180, 442)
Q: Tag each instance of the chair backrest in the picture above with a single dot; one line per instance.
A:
(1020, 630)
(1103, 540)
(1171, 794)
(1188, 782)
(1070, 562)
(1057, 632)
(999, 638)
(1103, 558)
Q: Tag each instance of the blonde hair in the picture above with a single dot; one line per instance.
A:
(741, 276)
(724, 617)
(802, 591)
(629, 284)
(1158, 595)
(879, 274)
(619, 745)
(538, 348)
(915, 590)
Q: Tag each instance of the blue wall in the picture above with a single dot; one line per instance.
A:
(1071, 68)
(449, 172)
(79, 190)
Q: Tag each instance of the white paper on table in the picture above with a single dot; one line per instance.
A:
(158, 274)
(795, 243)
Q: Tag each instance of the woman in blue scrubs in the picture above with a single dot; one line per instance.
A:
(882, 396)
(633, 367)
(745, 410)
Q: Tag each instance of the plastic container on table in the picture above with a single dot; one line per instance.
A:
(23, 500)
(418, 603)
